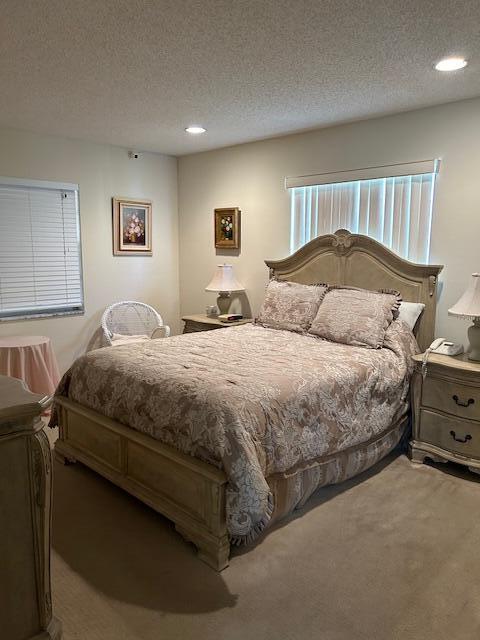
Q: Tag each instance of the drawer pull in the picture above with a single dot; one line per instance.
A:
(463, 440)
(463, 403)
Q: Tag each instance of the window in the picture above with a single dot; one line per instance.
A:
(393, 204)
(40, 251)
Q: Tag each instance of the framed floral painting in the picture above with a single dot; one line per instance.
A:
(227, 228)
(132, 227)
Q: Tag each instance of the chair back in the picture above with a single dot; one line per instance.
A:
(130, 318)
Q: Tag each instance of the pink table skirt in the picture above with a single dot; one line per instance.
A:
(31, 359)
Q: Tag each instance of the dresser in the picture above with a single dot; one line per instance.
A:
(446, 411)
(201, 322)
(25, 498)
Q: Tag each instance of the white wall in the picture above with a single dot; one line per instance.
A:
(251, 176)
(102, 172)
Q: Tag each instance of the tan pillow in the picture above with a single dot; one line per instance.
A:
(290, 306)
(356, 316)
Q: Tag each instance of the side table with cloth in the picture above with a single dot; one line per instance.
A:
(30, 358)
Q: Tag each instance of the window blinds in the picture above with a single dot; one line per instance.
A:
(40, 251)
(396, 211)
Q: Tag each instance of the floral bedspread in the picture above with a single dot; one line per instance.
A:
(250, 400)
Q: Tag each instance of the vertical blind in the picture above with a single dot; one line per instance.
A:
(40, 251)
(396, 211)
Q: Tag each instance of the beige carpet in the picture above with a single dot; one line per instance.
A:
(391, 554)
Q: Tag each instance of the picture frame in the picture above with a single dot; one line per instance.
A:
(132, 227)
(227, 228)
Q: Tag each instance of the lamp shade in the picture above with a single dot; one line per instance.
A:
(224, 280)
(469, 304)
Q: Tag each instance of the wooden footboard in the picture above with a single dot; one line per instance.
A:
(187, 491)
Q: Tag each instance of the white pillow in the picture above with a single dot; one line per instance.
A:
(410, 312)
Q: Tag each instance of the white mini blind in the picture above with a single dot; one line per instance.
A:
(397, 211)
(40, 250)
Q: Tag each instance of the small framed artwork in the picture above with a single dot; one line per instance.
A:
(227, 228)
(132, 227)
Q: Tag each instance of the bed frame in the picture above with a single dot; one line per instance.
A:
(188, 491)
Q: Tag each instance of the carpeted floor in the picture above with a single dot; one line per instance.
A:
(392, 554)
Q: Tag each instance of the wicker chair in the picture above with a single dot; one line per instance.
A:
(134, 319)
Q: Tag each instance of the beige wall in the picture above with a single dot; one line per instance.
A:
(251, 176)
(102, 172)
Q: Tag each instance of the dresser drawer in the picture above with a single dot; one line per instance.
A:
(459, 436)
(452, 397)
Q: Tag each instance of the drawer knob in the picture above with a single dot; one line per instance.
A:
(463, 403)
(466, 439)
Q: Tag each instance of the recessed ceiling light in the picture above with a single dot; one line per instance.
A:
(195, 129)
(451, 64)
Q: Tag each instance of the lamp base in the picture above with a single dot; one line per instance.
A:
(223, 301)
(474, 339)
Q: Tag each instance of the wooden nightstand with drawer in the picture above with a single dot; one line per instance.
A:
(201, 322)
(446, 411)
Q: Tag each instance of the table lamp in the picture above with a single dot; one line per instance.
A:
(224, 282)
(469, 307)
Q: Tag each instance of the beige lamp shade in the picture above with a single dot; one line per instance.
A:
(469, 304)
(224, 280)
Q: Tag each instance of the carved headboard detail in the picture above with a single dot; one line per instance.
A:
(357, 260)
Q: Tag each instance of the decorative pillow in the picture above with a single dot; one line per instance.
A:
(290, 306)
(356, 316)
(410, 312)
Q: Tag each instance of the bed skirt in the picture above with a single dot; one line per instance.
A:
(292, 490)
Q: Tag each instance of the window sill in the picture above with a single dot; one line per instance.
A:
(39, 316)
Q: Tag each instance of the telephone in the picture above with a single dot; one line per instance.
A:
(446, 348)
(442, 347)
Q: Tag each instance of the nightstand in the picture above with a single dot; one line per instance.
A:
(446, 411)
(202, 322)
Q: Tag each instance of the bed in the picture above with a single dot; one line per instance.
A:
(190, 425)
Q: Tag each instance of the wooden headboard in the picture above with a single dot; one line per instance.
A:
(357, 260)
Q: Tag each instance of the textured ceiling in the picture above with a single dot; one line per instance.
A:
(135, 72)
